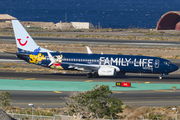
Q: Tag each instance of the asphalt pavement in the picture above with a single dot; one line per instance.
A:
(156, 97)
(95, 41)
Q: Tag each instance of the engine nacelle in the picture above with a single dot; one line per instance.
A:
(107, 71)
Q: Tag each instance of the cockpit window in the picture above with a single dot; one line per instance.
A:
(167, 62)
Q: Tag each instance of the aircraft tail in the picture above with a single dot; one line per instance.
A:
(24, 41)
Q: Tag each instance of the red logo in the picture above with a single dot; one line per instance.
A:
(23, 44)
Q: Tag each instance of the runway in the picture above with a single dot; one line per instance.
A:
(56, 98)
(130, 77)
(95, 41)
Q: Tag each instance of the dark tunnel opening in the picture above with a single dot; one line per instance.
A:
(169, 21)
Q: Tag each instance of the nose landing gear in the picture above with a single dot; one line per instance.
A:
(162, 74)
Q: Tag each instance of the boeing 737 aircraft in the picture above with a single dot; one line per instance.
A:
(95, 64)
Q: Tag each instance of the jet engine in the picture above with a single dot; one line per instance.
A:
(107, 71)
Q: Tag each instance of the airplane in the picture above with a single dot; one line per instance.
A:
(95, 64)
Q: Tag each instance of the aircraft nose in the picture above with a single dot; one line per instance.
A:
(174, 67)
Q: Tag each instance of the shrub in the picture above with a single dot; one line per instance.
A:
(5, 99)
(155, 117)
(5, 66)
(97, 101)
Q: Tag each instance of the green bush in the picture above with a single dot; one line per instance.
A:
(98, 101)
(5, 99)
(155, 117)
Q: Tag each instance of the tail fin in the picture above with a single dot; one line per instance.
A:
(24, 41)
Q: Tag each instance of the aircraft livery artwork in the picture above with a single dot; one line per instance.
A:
(95, 64)
(37, 58)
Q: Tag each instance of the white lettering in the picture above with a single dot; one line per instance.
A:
(144, 62)
(119, 61)
(101, 60)
(150, 63)
(106, 61)
(114, 61)
(147, 63)
(122, 62)
(128, 61)
(135, 63)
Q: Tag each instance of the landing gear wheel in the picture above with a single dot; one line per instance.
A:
(160, 76)
(89, 75)
(96, 74)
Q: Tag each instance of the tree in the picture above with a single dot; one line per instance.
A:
(5, 99)
(98, 101)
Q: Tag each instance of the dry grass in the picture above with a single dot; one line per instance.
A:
(44, 111)
(149, 35)
(157, 51)
(130, 37)
(129, 113)
(30, 68)
(133, 113)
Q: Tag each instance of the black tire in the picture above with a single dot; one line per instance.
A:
(96, 74)
(89, 75)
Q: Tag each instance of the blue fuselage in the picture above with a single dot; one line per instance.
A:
(125, 63)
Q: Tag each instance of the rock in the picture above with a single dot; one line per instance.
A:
(5, 116)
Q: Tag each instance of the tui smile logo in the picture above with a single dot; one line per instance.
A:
(22, 44)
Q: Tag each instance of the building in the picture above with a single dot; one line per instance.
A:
(6, 18)
(5, 21)
(73, 25)
(63, 26)
(82, 25)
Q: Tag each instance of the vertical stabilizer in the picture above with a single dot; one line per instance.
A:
(24, 41)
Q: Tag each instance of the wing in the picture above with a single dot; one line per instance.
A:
(89, 50)
(89, 67)
(83, 67)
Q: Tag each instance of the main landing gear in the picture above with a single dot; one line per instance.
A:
(90, 75)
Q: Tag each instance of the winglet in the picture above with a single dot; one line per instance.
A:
(89, 50)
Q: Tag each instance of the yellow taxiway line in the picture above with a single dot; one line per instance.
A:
(30, 79)
(57, 91)
(88, 81)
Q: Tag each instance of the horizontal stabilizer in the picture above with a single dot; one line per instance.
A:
(51, 58)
